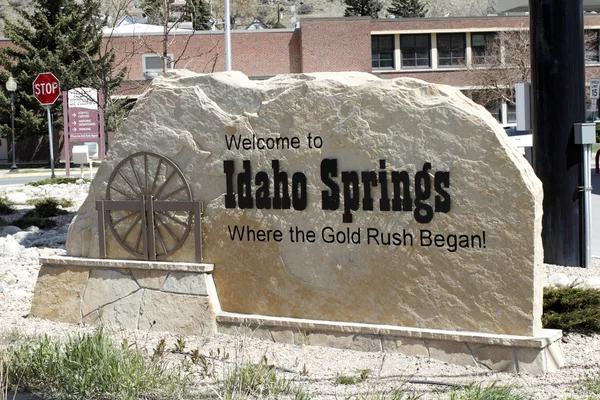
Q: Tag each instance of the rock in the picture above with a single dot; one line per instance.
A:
(58, 294)
(10, 230)
(106, 286)
(32, 229)
(185, 283)
(19, 198)
(297, 218)
(189, 315)
(12, 248)
(593, 282)
(3, 286)
(559, 280)
(22, 237)
(18, 294)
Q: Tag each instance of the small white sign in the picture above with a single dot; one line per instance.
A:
(595, 88)
(522, 141)
(84, 98)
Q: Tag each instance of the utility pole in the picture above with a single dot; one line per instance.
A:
(558, 79)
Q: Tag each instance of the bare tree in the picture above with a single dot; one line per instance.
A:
(242, 12)
(498, 65)
(505, 60)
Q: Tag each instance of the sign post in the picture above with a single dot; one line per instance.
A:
(46, 89)
(594, 95)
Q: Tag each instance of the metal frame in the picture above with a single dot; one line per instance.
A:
(147, 199)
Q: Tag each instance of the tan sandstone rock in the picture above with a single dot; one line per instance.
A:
(491, 283)
(58, 294)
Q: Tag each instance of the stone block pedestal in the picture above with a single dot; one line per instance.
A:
(535, 355)
(162, 296)
(182, 298)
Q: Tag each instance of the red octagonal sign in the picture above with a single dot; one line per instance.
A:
(46, 88)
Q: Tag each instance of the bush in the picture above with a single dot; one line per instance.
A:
(55, 181)
(42, 223)
(492, 392)
(47, 207)
(90, 367)
(255, 380)
(47, 200)
(6, 207)
(569, 308)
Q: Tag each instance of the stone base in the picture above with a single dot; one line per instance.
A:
(162, 296)
(519, 354)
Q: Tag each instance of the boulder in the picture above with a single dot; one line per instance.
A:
(341, 197)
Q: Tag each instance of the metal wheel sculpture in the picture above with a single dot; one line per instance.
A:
(158, 226)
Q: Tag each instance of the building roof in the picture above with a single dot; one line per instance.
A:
(135, 29)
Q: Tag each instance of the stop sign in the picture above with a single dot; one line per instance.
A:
(46, 88)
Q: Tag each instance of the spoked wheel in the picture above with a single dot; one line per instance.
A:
(149, 185)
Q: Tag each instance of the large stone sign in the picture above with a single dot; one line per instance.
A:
(344, 197)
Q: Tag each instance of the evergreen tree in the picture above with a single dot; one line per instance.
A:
(59, 36)
(362, 8)
(199, 13)
(407, 9)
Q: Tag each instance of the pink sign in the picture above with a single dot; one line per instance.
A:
(83, 113)
(83, 123)
(84, 120)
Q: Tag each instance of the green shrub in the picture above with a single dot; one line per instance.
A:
(346, 380)
(55, 181)
(42, 223)
(591, 384)
(48, 200)
(569, 307)
(492, 392)
(395, 394)
(255, 380)
(45, 208)
(6, 207)
(90, 367)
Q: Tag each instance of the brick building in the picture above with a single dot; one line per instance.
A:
(439, 50)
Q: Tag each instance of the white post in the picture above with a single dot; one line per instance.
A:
(227, 37)
(51, 142)
(587, 201)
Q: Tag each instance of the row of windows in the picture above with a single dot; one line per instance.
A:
(415, 49)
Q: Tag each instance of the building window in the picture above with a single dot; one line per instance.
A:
(483, 45)
(495, 108)
(511, 113)
(415, 50)
(591, 45)
(154, 63)
(451, 49)
(382, 52)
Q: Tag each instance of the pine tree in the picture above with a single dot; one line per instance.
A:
(362, 8)
(407, 9)
(59, 36)
(199, 13)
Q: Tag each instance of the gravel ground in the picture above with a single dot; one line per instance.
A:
(313, 368)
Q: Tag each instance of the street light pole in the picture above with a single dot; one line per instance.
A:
(11, 86)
